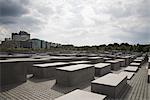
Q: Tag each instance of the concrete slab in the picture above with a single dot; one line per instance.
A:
(128, 74)
(102, 69)
(80, 62)
(140, 58)
(95, 60)
(75, 74)
(81, 95)
(67, 59)
(50, 64)
(122, 62)
(12, 72)
(137, 60)
(149, 62)
(115, 65)
(135, 64)
(131, 69)
(127, 59)
(75, 67)
(28, 62)
(47, 70)
(148, 75)
(111, 85)
(105, 58)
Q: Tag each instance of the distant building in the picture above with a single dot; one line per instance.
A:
(21, 36)
(22, 40)
(8, 39)
(26, 44)
(35, 43)
(43, 44)
(10, 44)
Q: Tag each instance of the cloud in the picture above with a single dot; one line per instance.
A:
(13, 7)
(80, 22)
(16, 15)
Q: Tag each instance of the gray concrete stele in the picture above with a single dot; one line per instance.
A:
(102, 69)
(111, 85)
(74, 74)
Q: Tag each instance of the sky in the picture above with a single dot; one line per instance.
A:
(78, 22)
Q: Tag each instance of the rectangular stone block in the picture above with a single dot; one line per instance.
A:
(111, 85)
(47, 70)
(12, 72)
(122, 62)
(128, 74)
(148, 75)
(115, 65)
(135, 64)
(80, 62)
(95, 60)
(131, 69)
(75, 74)
(102, 69)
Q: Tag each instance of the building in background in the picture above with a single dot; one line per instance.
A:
(35, 43)
(21, 36)
(43, 44)
(22, 40)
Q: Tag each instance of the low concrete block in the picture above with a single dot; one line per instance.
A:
(135, 64)
(122, 62)
(80, 62)
(111, 85)
(12, 72)
(148, 75)
(115, 65)
(131, 69)
(102, 69)
(74, 74)
(95, 60)
(128, 74)
(47, 70)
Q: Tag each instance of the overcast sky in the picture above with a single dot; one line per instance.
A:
(78, 22)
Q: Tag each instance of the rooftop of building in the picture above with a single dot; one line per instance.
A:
(21, 33)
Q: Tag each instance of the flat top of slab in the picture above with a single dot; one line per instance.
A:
(95, 57)
(49, 64)
(112, 61)
(64, 57)
(137, 60)
(79, 62)
(124, 57)
(140, 58)
(119, 59)
(60, 57)
(75, 67)
(15, 55)
(107, 58)
(38, 56)
(110, 79)
(81, 95)
(101, 65)
(23, 59)
(135, 64)
(15, 60)
(128, 74)
(131, 68)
